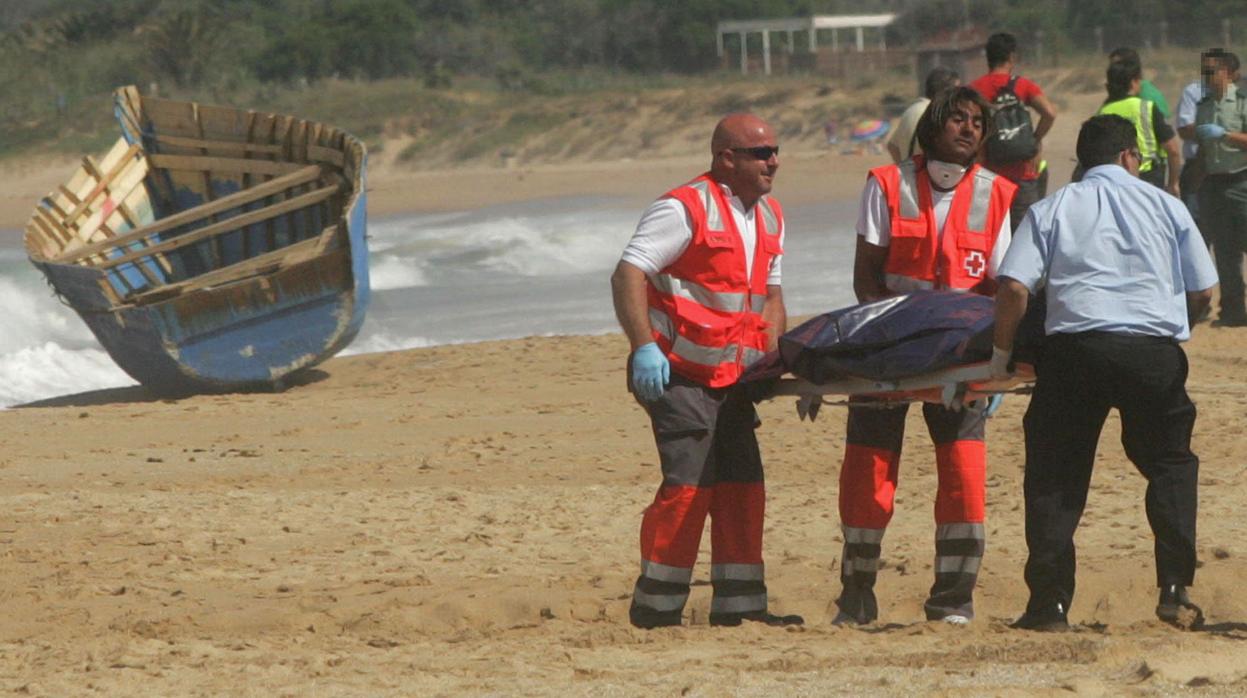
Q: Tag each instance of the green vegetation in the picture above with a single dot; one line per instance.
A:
(466, 79)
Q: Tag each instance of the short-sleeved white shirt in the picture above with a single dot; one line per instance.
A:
(665, 231)
(903, 134)
(874, 224)
(1185, 116)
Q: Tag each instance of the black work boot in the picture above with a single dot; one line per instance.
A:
(764, 617)
(858, 605)
(1176, 609)
(648, 618)
(1044, 619)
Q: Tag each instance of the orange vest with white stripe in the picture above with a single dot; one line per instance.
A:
(958, 259)
(706, 314)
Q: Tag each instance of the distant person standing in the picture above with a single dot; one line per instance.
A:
(1125, 274)
(901, 144)
(697, 292)
(1015, 150)
(1158, 143)
(1192, 170)
(1147, 90)
(1221, 127)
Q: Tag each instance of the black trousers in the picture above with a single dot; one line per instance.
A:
(1079, 378)
(1223, 211)
(1027, 194)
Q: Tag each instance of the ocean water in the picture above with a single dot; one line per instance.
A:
(535, 268)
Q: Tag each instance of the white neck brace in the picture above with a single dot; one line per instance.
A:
(945, 175)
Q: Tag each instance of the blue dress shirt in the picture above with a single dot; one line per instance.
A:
(1116, 254)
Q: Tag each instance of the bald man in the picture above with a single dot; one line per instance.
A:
(697, 291)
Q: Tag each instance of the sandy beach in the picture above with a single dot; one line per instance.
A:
(463, 520)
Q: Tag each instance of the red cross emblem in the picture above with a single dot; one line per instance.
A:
(974, 264)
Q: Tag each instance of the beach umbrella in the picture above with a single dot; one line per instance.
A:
(869, 129)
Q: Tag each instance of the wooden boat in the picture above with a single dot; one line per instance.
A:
(211, 248)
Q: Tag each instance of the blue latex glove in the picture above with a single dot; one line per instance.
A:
(1210, 132)
(993, 404)
(650, 371)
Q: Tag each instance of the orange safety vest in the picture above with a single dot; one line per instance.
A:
(705, 313)
(958, 259)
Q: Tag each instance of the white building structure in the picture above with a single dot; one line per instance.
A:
(808, 25)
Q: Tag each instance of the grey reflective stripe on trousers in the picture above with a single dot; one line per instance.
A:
(861, 564)
(724, 301)
(666, 573)
(743, 572)
(853, 534)
(738, 604)
(714, 221)
(962, 536)
(663, 603)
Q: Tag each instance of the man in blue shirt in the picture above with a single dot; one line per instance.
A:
(1124, 270)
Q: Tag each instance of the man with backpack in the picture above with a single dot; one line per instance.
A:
(1014, 150)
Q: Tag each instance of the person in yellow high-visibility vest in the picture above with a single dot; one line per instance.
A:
(1157, 141)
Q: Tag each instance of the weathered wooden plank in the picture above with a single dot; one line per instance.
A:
(308, 173)
(102, 181)
(278, 209)
(262, 264)
(196, 163)
(229, 146)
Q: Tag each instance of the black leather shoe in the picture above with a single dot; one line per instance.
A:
(1176, 609)
(735, 619)
(1048, 620)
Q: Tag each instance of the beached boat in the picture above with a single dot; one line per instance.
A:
(212, 248)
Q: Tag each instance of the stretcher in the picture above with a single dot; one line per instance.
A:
(926, 346)
(958, 387)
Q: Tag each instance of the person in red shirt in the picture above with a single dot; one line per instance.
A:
(1002, 58)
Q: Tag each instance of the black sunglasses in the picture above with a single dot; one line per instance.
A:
(761, 152)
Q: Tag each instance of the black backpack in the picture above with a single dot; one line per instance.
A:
(1014, 138)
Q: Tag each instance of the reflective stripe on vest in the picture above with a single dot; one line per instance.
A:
(714, 218)
(700, 353)
(1139, 113)
(727, 302)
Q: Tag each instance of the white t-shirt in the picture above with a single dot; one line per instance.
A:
(874, 225)
(665, 231)
(905, 127)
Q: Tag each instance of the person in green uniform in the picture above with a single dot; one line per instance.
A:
(1161, 155)
(1221, 128)
(1147, 90)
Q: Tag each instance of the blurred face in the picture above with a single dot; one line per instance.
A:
(750, 162)
(961, 136)
(1215, 76)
